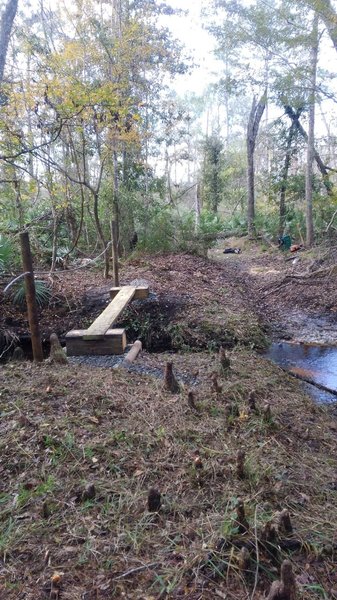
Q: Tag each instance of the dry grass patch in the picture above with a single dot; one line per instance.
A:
(81, 448)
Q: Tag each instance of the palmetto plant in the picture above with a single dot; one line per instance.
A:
(42, 291)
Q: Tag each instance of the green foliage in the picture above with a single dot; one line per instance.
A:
(43, 294)
(158, 233)
(6, 253)
(234, 180)
(210, 224)
(168, 230)
(212, 184)
(237, 224)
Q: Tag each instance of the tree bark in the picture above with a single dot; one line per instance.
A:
(101, 236)
(311, 135)
(6, 24)
(197, 206)
(55, 240)
(115, 208)
(284, 183)
(114, 254)
(252, 131)
(33, 319)
(321, 166)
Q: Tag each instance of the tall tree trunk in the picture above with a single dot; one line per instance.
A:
(197, 206)
(54, 242)
(311, 135)
(115, 208)
(101, 236)
(252, 131)
(284, 183)
(6, 24)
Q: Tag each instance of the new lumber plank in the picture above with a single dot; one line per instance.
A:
(114, 342)
(110, 314)
(141, 293)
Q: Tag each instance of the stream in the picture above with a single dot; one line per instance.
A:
(310, 362)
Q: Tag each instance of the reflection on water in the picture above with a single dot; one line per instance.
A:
(316, 363)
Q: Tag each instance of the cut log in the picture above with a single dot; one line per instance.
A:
(113, 342)
(133, 352)
(106, 319)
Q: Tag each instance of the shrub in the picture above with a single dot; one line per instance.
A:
(42, 291)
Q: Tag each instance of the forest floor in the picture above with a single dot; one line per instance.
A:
(81, 446)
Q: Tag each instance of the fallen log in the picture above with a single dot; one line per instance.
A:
(292, 371)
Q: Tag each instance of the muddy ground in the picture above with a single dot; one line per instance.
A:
(81, 447)
(281, 290)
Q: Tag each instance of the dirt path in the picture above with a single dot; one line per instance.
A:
(300, 309)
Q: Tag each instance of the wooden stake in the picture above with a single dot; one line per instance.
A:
(114, 252)
(33, 321)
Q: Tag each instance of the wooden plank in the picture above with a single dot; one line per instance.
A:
(111, 313)
(114, 342)
(141, 292)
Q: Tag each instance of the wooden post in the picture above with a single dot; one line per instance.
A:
(114, 252)
(31, 297)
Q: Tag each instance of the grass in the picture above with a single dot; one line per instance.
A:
(121, 432)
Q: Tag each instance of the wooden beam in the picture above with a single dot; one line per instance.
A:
(141, 293)
(114, 342)
(106, 319)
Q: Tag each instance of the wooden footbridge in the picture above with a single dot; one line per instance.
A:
(100, 338)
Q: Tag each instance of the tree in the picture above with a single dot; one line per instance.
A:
(83, 124)
(311, 135)
(255, 117)
(288, 151)
(328, 14)
(6, 24)
(212, 188)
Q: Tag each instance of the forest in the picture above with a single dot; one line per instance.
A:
(93, 128)
(168, 260)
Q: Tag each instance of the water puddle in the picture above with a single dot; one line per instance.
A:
(315, 364)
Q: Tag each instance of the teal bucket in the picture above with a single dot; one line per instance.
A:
(285, 242)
